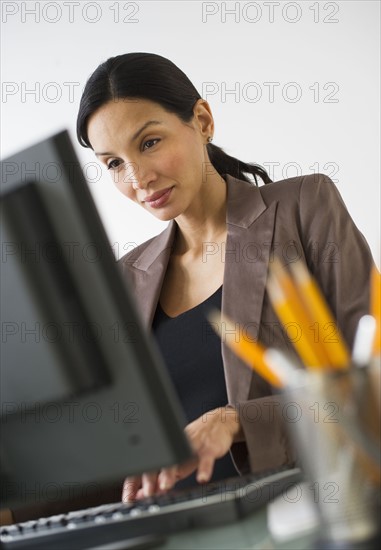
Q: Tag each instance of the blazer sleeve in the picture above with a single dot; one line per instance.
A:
(340, 259)
(337, 253)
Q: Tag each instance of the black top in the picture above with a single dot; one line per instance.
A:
(192, 353)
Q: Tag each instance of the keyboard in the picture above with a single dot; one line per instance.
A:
(104, 526)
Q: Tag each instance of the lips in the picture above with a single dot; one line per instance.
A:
(156, 195)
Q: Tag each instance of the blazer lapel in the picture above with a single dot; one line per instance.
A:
(147, 272)
(250, 225)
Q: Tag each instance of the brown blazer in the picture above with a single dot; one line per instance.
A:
(301, 217)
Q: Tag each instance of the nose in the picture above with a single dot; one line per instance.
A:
(137, 183)
(140, 177)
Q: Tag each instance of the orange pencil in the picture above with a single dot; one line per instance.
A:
(375, 307)
(252, 353)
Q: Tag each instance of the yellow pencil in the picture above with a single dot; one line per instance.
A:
(283, 309)
(300, 312)
(375, 307)
(336, 350)
(252, 353)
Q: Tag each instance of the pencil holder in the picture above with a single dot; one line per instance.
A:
(337, 436)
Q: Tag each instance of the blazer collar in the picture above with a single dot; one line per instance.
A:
(159, 249)
(250, 226)
(241, 209)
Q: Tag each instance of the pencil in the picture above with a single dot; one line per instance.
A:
(283, 309)
(375, 307)
(300, 312)
(252, 353)
(336, 349)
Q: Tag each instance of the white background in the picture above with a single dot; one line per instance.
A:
(333, 47)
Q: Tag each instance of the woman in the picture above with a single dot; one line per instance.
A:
(149, 126)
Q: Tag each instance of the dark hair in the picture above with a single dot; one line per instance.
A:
(153, 77)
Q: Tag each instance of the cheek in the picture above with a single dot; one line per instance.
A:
(169, 164)
(124, 184)
(177, 162)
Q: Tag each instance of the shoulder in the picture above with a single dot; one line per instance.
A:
(246, 202)
(299, 189)
(309, 200)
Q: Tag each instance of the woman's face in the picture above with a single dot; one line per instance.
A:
(154, 158)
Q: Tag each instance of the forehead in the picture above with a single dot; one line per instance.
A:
(123, 117)
(131, 108)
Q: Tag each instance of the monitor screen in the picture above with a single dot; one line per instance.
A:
(85, 396)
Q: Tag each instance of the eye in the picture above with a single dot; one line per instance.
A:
(150, 141)
(113, 164)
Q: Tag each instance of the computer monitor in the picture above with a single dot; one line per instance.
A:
(85, 396)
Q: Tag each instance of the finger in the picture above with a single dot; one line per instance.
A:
(167, 478)
(130, 487)
(187, 468)
(205, 468)
(149, 482)
(139, 494)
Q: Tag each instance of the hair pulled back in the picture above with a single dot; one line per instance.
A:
(156, 78)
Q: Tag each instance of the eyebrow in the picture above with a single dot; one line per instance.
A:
(136, 135)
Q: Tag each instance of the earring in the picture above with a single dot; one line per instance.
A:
(210, 139)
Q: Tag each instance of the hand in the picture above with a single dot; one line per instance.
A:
(158, 482)
(210, 436)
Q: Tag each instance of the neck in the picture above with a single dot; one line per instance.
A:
(205, 220)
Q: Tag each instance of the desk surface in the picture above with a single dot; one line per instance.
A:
(251, 532)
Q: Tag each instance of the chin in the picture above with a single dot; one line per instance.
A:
(164, 214)
(164, 217)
